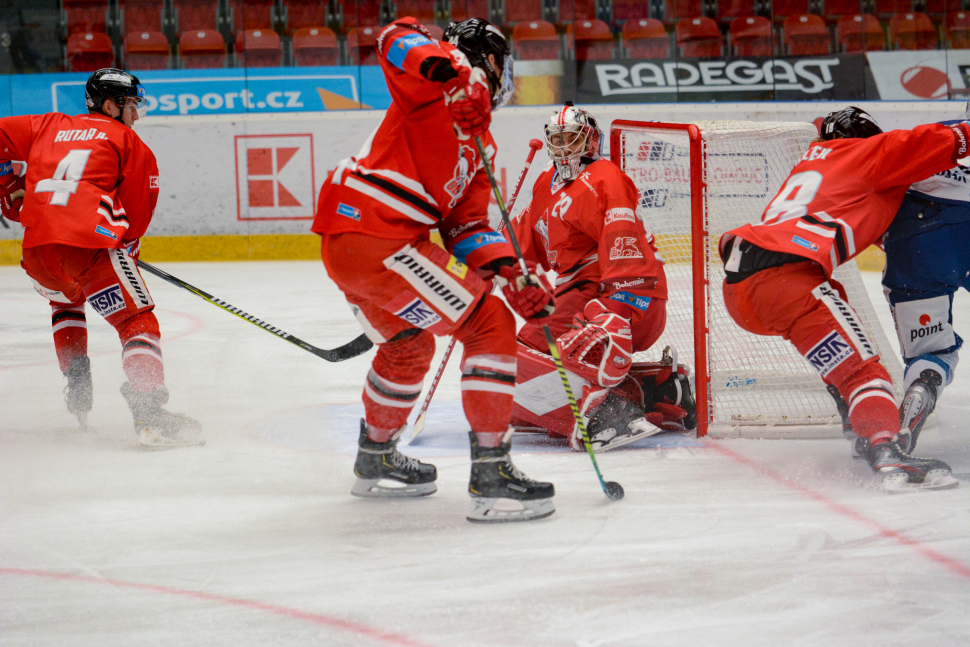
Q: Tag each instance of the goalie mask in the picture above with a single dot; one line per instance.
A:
(573, 139)
(477, 38)
(849, 123)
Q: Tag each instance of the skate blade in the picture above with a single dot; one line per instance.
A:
(391, 489)
(899, 483)
(154, 439)
(82, 421)
(499, 510)
(624, 439)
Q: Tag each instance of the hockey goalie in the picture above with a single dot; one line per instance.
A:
(611, 297)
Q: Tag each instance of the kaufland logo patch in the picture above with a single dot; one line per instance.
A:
(829, 353)
(152, 181)
(107, 301)
(418, 313)
(274, 177)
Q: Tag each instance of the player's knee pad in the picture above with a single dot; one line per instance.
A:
(925, 326)
(490, 330)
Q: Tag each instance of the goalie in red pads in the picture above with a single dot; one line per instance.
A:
(611, 296)
(421, 170)
(840, 198)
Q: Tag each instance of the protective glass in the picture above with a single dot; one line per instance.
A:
(507, 89)
(141, 104)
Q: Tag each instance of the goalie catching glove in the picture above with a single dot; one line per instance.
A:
(11, 192)
(600, 348)
(469, 101)
(529, 295)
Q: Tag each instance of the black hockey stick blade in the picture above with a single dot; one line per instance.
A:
(351, 349)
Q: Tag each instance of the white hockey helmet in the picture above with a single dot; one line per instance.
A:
(572, 135)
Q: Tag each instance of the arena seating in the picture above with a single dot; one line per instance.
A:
(645, 38)
(517, 11)
(362, 46)
(752, 36)
(139, 16)
(728, 10)
(699, 38)
(535, 40)
(300, 14)
(592, 40)
(84, 16)
(958, 30)
(912, 31)
(147, 50)
(806, 35)
(465, 9)
(259, 48)
(202, 48)
(860, 34)
(315, 46)
(89, 51)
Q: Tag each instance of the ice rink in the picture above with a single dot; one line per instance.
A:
(254, 538)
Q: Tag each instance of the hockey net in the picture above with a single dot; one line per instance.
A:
(696, 182)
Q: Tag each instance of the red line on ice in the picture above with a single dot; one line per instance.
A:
(296, 614)
(948, 563)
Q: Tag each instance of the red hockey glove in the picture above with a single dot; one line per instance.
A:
(469, 102)
(601, 348)
(530, 296)
(11, 196)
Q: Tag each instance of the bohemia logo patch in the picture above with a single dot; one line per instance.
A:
(829, 353)
(107, 301)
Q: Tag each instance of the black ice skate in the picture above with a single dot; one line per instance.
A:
(899, 472)
(156, 427)
(859, 445)
(614, 423)
(79, 392)
(384, 472)
(500, 492)
(918, 404)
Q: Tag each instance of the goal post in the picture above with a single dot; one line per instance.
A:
(697, 181)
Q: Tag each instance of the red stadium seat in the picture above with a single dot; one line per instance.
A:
(465, 9)
(436, 32)
(315, 46)
(646, 38)
(680, 9)
(202, 48)
(362, 46)
(912, 31)
(359, 13)
(85, 16)
(782, 9)
(536, 41)
(887, 8)
(592, 39)
(835, 9)
(806, 35)
(958, 30)
(517, 11)
(89, 52)
(195, 15)
(752, 36)
(252, 14)
(422, 10)
(699, 38)
(624, 10)
(728, 10)
(939, 8)
(259, 48)
(141, 15)
(146, 50)
(574, 10)
(304, 13)
(860, 34)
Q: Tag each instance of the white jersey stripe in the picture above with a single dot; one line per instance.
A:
(384, 198)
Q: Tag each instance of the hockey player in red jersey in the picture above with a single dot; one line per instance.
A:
(611, 296)
(839, 199)
(87, 198)
(421, 170)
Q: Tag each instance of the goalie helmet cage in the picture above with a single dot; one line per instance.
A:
(697, 181)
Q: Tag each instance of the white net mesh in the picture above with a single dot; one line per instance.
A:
(756, 383)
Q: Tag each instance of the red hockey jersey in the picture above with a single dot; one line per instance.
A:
(413, 173)
(588, 230)
(843, 194)
(80, 171)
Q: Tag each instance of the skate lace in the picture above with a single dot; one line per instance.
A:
(514, 471)
(400, 460)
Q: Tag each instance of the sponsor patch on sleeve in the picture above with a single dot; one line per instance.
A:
(400, 48)
(616, 215)
(152, 181)
(807, 244)
(625, 247)
(457, 268)
(632, 300)
(105, 232)
(350, 212)
(108, 301)
(829, 353)
(463, 248)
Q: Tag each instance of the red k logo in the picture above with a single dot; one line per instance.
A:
(274, 176)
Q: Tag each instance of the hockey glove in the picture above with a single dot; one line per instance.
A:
(600, 348)
(11, 196)
(530, 296)
(469, 102)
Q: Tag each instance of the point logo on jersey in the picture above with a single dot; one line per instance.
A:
(274, 177)
(107, 301)
(926, 329)
(829, 353)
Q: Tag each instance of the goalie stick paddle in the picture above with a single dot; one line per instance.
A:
(347, 351)
(418, 427)
(612, 489)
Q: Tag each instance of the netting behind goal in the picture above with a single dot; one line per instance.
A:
(697, 181)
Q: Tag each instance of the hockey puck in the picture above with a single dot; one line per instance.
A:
(614, 491)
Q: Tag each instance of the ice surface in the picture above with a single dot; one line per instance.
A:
(255, 540)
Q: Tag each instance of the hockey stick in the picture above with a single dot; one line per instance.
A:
(612, 489)
(418, 427)
(350, 349)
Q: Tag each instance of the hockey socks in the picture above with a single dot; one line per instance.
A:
(70, 327)
(141, 355)
(394, 382)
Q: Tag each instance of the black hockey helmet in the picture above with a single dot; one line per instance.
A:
(848, 123)
(111, 83)
(477, 38)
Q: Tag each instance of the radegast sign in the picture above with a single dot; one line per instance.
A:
(632, 81)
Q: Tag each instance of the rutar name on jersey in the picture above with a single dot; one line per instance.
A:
(83, 135)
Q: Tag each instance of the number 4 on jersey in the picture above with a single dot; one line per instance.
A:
(66, 177)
